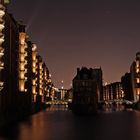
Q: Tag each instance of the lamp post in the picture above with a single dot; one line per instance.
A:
(62, 90)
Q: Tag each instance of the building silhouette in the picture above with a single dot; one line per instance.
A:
(86, 90)
(127, 87)
(8, 65)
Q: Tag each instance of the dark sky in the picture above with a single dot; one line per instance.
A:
(76, 33)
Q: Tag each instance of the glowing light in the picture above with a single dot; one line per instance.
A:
(34, 82)
(22, 38)
(21, 76)
(22, 59)
(137, 64)
(137, 70)
(1, 40)
(1, 84)
(138, 80)
(34, 89)
(21, 85)
(34, 47)
(2, 13)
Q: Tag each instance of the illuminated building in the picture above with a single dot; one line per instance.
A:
(39, 80)
(22, 58)
(113, 91)
(86, 90)
(8, 62)
(22, 74)
(135, 77)
(34, 60)
(44, 82)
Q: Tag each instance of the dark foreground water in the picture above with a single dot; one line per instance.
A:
(61, 124)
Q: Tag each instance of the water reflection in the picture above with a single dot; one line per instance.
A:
(58, 123)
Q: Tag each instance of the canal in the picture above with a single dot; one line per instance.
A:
(58, 123)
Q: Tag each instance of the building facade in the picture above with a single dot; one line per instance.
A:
(135, 77)
(86, 90)
(113, 91)
(23, 75)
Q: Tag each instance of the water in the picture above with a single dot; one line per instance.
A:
(58, 123)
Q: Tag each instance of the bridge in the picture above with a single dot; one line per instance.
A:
(57, 102)
(118, 101)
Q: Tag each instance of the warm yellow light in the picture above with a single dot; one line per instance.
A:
(21, 66)
(138, 80)
(34, 82)
(1, 27)
(34, 64)
(138, 91)
(1, 40)
(21, 85)
(40, 91)
(49, 80)
(25, 62)
(137, 64)
(40, 77)
(40, 66)
(2, 13)
(1, 64)
(34, 98)
(34, 70)
(26, 54)
(137, 70)
(33, 89)
(21, 49)
(34, 47)
(22, 38)
(34, 57)
(21, 75)
(40, 86)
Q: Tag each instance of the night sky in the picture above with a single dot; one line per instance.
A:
(76, 33)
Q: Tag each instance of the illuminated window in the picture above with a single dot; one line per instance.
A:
(137, 64)
(21, 75)
(33, 82)
(22, 38)
(138, 80)
(40, 91)
(21, 66)
(34, 64)
(138, 91)
(26, 54)
(34, 57)
(25, 61)
(21, 49)
(34, 70)
(21, 85)
(137, 70)
(40, 66)
(40, 77)
(33, 89)
(21, 57)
